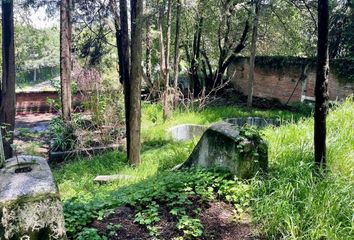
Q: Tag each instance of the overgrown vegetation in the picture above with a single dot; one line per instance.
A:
(100, 125)
(343, 68)
(290, 202)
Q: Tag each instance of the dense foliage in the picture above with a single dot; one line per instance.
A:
(291, 202)
(210, 33)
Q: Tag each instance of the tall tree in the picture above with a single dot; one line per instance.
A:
(168, 42)
(135, 80)
(167, 103)
(196, 86)
(177, 42)
(148, 65)
(321, 88)
(8, 97)
(123, 47)
(253, 53)
(65, 57)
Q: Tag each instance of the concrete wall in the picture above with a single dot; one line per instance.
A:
(279, 82)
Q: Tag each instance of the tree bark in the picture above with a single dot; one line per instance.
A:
(167, 95)
(162, 77)
(225, 62)
(135, 87)
(253, 54)
(122, 41)
(168, 42)
(123, 46)
(148, 65)
(177, 38)
(321, 88)
(65, 58)
(195, 83)
(8, 97)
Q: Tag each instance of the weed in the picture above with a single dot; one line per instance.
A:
(289, 203)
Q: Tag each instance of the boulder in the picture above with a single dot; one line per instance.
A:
(30, 207)
(186, 132)
(240, 150)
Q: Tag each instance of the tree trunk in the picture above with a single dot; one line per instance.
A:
(168, 42)
(122, 40)
(65, 58)
(195, 83)
(122, 36)
(136, 57)
(209, 78)
(148, 66)
(8, 97)
(167, 95)
(253, 54)
(162, 77)
(321, 90)
(224, 63)
(177, 38)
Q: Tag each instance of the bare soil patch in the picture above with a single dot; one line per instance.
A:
(217, 218)
(31, 133)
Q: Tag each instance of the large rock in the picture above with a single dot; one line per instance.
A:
(225, 146)
(30, 207)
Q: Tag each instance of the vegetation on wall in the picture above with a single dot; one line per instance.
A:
(343, 68)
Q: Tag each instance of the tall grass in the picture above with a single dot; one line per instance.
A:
(290, 203)
(295, 203)
(75, 179)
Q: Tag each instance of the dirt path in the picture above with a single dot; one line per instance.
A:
(31, 134)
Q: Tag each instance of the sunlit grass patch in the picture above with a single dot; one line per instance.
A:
(290, 203)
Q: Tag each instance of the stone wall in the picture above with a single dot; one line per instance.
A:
(278, 82)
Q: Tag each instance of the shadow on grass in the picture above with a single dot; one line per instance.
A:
(154, 144)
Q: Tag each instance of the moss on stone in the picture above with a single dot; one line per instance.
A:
(224, 146)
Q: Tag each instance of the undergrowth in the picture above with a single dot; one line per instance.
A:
(291, 202)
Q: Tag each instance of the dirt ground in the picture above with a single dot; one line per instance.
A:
(217, 218)
(31, 133)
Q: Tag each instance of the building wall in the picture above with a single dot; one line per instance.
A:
(279, 83)
(37, 102)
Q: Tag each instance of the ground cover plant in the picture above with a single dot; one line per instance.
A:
(291, 202)
(194, 62)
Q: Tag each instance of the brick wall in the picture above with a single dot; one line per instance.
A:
(279, 83)
(37, 102)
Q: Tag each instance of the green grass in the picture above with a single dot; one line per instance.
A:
(294, 203)
(158, 151)
(291, 203)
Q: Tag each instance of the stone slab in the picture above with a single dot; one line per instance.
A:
(30, 207)
(186, 132)
(111, 178)
(33, 184)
